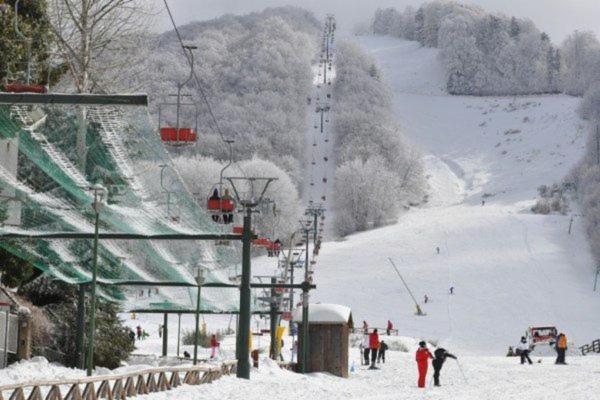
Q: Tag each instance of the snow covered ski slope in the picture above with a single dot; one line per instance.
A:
(510, 268)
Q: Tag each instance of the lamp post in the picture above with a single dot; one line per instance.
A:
(199, 282)
(100, 194)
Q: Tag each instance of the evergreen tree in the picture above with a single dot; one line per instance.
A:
(33, 24)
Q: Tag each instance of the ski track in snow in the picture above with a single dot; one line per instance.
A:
(511, 269)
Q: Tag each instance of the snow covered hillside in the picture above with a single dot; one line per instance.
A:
(510, 268)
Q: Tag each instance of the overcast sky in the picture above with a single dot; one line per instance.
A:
(557, 17)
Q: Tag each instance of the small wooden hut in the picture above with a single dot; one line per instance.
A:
(329, 328)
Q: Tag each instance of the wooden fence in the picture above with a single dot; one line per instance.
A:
(118, 386)
(594, 347)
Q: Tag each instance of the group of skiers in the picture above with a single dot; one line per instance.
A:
(524, 348)
(373, 347)
(423, 356)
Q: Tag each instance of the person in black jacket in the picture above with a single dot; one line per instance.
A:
(440, 357)
(381, 353)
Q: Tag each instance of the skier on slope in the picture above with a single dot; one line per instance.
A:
(561, 349)
(524, 349)
(214, 345)
(374, 346)
(365, 348)
(381, 354)
(423, 355)
(365, 326)
(390, 326)
(440, 357)
(138, 330)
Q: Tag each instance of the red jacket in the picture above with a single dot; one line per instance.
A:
(373, 340)
(214, 343)
(423, 355)
(390, 325)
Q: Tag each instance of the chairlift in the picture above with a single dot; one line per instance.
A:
(179, 134)
(220, 204)
(324, 198)
(326, 159)
(324, 180)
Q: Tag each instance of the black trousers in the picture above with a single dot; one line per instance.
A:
(373, 356)
(560, 358)
(381, 356)
(437, 367)
(525, 356)
(366, 353)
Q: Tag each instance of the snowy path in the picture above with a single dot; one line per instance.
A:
(491, 378)
(511, 269)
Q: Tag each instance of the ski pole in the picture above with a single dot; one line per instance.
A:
(462, 372)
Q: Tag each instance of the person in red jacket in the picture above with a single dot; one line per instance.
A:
(214, 345)
(422, 357)
(374, 346)
(390, 326)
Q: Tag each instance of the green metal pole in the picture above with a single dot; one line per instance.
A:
(197, 328)
(243, 353)
(178, 332)
(315, 222)
(304, 340)
(92, 322)
(273, 316)
(165, 334)
(80, 339)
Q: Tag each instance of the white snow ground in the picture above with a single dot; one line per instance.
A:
(510, 268)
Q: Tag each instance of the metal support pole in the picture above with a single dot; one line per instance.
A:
(243, 337)
(178, 332)
(322, 112)
(273, 316)
(315, 224)
(596, 279)
(305, 349)
(80, 334)
(197, 325)
(92, 322)
(165, 334)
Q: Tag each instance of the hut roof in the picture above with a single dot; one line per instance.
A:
(325, 314)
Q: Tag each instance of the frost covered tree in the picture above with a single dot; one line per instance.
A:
(378, 173)
(84, 30)
(580, 61)
(483, 54)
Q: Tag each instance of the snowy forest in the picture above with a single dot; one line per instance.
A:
(492, 54)
(378, 173)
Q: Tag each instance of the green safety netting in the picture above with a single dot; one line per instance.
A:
(45, 188)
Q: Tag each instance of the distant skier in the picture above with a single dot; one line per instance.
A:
(186, 354)
(451, 289)
(524, 349)
(390, 326)
(365, 327)
(214, 345)
(366, 350)
(138, 330)
(423, 355)
(381, 354)
(425, 299)
(440, 357)
(482, 203)
(561, 349)
(374, 346)
(160, 330)
(437, 249)
(131, 336)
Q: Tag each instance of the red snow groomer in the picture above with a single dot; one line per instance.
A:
(542, 335)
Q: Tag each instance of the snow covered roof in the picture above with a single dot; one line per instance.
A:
(324, 314)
